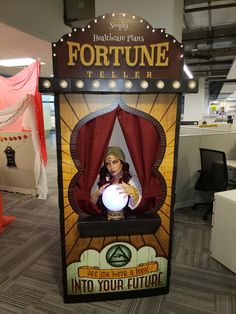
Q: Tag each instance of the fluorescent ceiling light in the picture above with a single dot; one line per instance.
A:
(19, 62)
(187, 71)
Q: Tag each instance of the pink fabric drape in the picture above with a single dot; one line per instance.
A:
(14, 89)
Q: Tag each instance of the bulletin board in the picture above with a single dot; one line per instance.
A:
(117, 81)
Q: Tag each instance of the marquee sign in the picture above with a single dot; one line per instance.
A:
(118, 52)
(118, 46)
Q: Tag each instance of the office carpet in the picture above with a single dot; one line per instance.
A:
(30, 264)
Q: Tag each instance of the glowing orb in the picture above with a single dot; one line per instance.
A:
(112, 198)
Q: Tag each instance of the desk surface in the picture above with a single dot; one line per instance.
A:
(229, 195)
(231, 163)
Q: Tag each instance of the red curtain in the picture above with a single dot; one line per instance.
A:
(146, 145)
(88, 145)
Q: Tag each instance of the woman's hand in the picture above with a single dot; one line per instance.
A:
(97, 193)
(128, 190)
(101, 189)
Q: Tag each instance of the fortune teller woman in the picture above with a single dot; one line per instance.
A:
(116, 171)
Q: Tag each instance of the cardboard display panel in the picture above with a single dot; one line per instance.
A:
(143, 259)
(118, 82)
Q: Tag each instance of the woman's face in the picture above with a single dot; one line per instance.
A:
(113, 165)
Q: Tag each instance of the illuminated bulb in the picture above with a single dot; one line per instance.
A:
(144, 84)
(112, 84)
(112, 198)
(176, 84)
(63, 84)
(96, 84)
(192, 84)
(128, 84)
(80, 84)
(160, 84)
(46, 84)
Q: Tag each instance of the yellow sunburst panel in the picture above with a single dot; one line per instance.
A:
(145, 102)
(167, 165)
(66, 155)
(169, 153)
(168, 187)
(168, 200)
(68, 168)
(66, 202)
(97, 102)
(164, 107)
(130, 100)
(70, 221)
(137, 241)
(80, 246)
(165, 209)
(163, 238)
(109, 240)
(97, 243)
(69, 120)
(68, 210)
(72, 235)
(165, 221)
(151, 240)
(65, 131)
(65, 146)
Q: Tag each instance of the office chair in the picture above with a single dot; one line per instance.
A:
(213, 176)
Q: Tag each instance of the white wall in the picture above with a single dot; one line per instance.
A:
(44, 18)
(166, 14)
(40, 18)
(194, 104)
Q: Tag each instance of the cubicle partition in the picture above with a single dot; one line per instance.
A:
(188, 166)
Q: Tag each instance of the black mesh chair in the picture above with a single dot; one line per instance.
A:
(213, 176)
